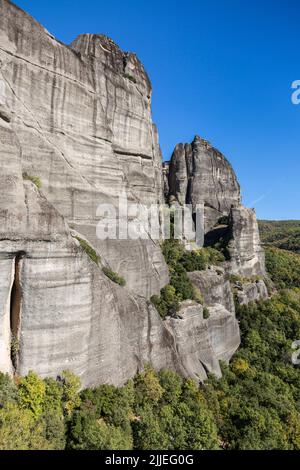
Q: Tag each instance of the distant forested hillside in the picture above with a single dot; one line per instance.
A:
(281, 234)
(284, 267)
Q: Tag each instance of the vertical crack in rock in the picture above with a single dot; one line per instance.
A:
(15, 311)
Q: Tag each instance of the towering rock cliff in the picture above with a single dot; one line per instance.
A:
(198, 173)
(76, 131)
(82, 115)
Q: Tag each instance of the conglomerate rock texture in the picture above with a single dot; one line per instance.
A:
(76, 131)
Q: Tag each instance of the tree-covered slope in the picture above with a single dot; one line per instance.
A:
(256, 404)
(284, 267)
(281, 234)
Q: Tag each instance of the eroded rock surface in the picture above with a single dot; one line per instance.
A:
(200, 174)
(78, 120)
(247, 256)
(214, 285)
(82, 115)
(247, 292)
(202, 343)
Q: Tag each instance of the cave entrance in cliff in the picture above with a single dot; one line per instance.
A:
(15, 309)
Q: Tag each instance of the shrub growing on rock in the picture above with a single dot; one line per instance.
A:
(114, 276)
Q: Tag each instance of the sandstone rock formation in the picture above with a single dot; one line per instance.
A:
(82, 115)
(246, 254)
(198, 173)
(214, 284)
(77, 121)
(200, 342)
(251, 291)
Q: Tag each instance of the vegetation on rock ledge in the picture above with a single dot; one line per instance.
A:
(180, 262)
(89, 250)
(34, 179)
(114, 276)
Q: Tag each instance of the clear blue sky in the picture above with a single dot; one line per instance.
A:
(221, 69)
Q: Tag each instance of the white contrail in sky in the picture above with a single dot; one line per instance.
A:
(264, 195)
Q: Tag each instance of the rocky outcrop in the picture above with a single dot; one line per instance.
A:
(200, 174)
(76, 131)
(201, 343)
(215, 287)
(247, 292)
(67, 314)
(203, 340)
(246, 254)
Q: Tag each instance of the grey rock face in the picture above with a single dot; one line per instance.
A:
(69, 315)
(214, 338)
(198, 174)
(79, 119)
(215, 287)
(246, 253)
(251, 292)
(165, 170)
(200, 342)
(82, 115)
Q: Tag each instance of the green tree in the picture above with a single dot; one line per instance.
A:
(31, 394)
(148, 432)
(147, 387)
(89, 433)
(8, 390)
(70, 396)
(20, 430)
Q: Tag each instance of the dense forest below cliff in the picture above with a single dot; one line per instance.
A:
(255, 405)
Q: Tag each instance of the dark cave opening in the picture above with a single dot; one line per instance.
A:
(15, 310)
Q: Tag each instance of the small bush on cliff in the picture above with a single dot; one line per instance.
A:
(114, 276)
(89, 250)
(34, 179)
(167, 303)
(130, 77)
(14, 349)
(237, 279)
(196, 260)
(206, 313)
